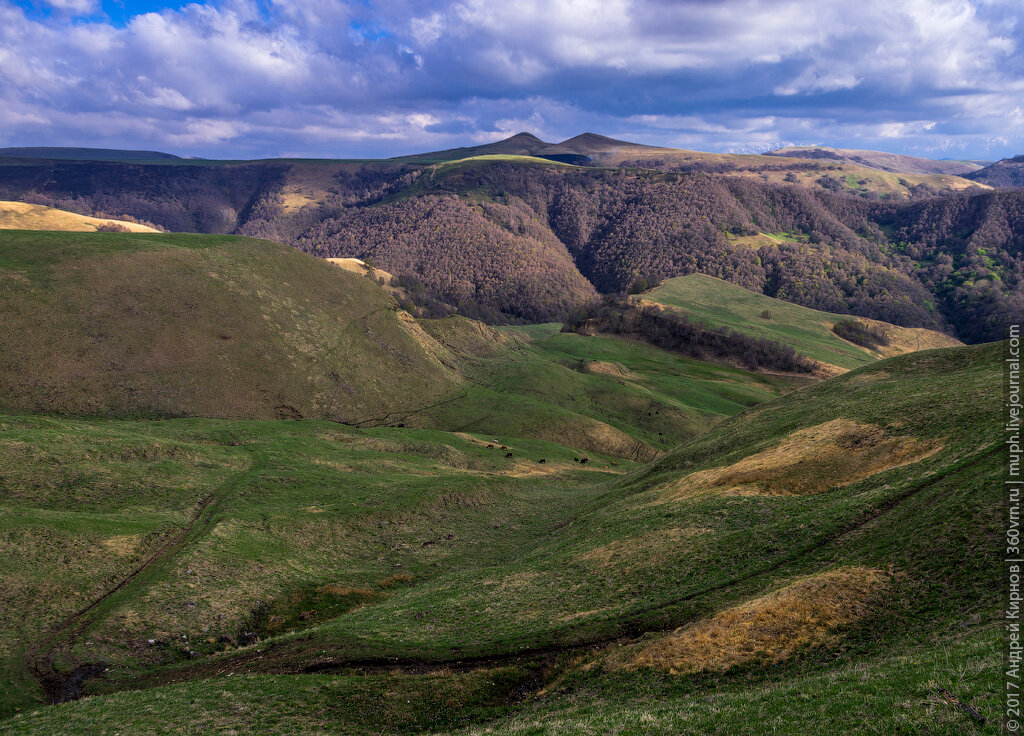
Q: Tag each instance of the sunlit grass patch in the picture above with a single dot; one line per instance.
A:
(808, 461)
(122, 545)
(25, 216)
(770, 628)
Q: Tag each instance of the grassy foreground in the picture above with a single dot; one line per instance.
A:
(892, 694)
(834, 544)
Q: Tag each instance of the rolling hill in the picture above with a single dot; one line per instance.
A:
(832, 546)
(580, 148)
(612, 227)
(124, 325)
(1006, 173)
(505, 260)
(520, 144)
(590, 148)
(83, 154)
(815, 172)
(719, 304)
(115, 324)
(881, 160)
(496, 232)
(24, 216)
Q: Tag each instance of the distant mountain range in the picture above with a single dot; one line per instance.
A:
(881, 160)
(1006, 173)
(84, 154)
(572, 150)
(527, 230)
(588, 148)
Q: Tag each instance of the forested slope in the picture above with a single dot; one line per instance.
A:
(514, 238)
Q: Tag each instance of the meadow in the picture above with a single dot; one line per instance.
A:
(834, 543)
(719, 304)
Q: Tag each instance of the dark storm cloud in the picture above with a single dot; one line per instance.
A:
(320, 77)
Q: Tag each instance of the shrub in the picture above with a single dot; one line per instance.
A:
(638, 286)
(675, 332)
(861, 333)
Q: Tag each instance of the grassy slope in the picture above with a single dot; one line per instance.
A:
(501, 157)
(891, 694)
(114, 324)
(502, 563)
(718, 303)
(24, 216)
(593, 393)
(775, 169)
(440, 170)
(295, 503)
(853, 177)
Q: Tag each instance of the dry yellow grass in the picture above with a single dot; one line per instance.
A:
(576, 616)
(824, 370)
(909, 339)
(593, 435)
(470, 338)
(360, 267)
(309, 184)
(810, 460)
(24, 216)
(805, 613)
(532, 468)
(604, 368)
(122, 545)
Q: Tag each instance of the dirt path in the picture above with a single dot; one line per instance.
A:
(40, 655)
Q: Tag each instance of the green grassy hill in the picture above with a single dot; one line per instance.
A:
(408, 580)
(718, 303)
(881, 160)
(602, 394)
(194, 325)
(216, 326)
(459, 535)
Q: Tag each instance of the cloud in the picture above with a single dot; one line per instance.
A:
(73, 7)
(381, 77)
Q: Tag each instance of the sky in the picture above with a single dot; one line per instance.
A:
(378, 78)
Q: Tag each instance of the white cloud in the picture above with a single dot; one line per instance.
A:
(73, 7)
(288, 74)
(428, 29)
(165, 97)
(207, 131)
